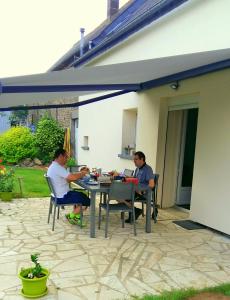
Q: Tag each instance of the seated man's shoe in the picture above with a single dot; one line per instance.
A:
(155, 213)
(129, 219)
(138, 212)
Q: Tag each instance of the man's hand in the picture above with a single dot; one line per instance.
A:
(78, 175)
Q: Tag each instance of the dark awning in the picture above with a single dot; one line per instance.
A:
(119, 78)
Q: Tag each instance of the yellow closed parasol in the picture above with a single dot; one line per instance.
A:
(66, 145)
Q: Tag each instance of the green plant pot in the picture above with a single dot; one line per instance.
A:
(6, 196)
(36, 287)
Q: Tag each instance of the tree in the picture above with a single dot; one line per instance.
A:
(18, 117)
(49, 136)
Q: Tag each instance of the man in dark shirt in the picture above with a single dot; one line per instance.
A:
(145, 175)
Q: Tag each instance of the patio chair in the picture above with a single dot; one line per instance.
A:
(119, 191)
(56, 202)
(153, 201)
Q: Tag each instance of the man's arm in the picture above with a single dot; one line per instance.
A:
(150, 176)
(76, 176)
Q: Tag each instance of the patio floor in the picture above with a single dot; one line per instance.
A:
(114, 268)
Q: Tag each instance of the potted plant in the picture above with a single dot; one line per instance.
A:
(34, 279)
(6, 182)
(71, 164)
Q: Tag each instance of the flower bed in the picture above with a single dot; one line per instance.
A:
(6, 178)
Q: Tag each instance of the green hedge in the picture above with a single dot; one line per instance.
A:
(16, 144)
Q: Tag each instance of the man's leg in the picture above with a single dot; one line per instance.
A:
(138, 211)
(80, 199)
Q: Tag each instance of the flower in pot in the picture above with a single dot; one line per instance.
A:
(34, 279)
(6, 182)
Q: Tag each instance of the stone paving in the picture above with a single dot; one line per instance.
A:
(114, 268)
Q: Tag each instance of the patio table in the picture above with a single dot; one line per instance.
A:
(94, 189)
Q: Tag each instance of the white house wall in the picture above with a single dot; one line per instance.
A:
(199, 25)
(210, 204)
(102, 123)
(147, 129)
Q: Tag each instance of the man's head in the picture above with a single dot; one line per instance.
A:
(86, 169)
(139, 159)
(61, 156)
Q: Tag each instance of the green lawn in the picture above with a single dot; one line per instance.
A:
(184, 294)
(33, 183)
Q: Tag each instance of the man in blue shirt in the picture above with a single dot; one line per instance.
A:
(145, 175)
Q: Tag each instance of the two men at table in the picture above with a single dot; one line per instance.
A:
(61, 178)
(145, 175)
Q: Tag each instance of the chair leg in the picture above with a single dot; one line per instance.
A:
(123, 219)
(106, 222)
(134, 221)
(50, 210)
(58, 212)
(81, 214)
(104, 198)
(54, 216)
(154, 214)
(99, 217)
(143, 213)
(155, 211)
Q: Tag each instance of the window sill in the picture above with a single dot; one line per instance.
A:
(85, 147)
(125, 156)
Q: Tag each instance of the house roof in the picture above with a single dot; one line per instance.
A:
(131, 18)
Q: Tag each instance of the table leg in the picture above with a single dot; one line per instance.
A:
(92, 214)
(148, 213)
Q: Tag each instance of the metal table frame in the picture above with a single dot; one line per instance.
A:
(94, 189)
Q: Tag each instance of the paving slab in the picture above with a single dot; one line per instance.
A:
(114, 268)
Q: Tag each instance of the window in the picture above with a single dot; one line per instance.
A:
(85, 143)
(129, 125)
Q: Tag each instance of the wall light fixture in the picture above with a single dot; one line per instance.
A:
(175, 85)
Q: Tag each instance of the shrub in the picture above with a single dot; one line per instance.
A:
(49, 137)
(16, 144)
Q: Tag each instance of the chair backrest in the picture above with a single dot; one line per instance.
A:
(121, 191)
(50, 185)
(128, 173)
